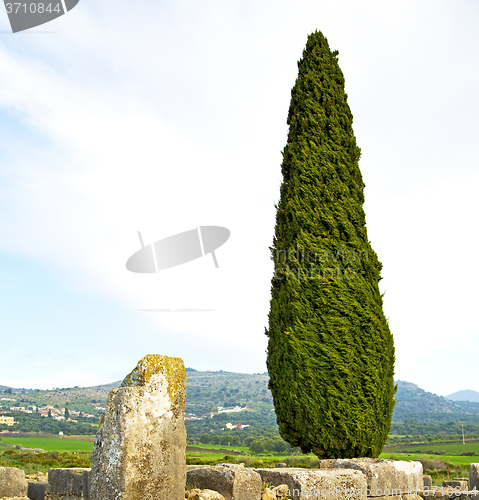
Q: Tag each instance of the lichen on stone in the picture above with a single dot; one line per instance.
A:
(171, 368)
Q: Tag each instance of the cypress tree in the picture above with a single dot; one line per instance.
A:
(330, 350)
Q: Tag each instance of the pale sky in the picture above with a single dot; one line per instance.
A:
(161, 116)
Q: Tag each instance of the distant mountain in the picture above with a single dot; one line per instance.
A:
(467, 395)
(414, 402)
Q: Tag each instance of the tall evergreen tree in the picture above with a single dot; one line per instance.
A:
(330, 350)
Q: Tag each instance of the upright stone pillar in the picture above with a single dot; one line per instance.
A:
(474, 476)
(139, 450)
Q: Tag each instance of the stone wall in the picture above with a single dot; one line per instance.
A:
(356, 479)
(362, 479)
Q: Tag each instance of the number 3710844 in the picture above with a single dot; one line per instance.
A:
(33, 8)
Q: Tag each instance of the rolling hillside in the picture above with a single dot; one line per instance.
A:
(208, 390)
(414, 402)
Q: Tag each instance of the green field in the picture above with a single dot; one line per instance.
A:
(442, 451)
(267, 461)
(49, 443)
(243, 449)
(441, 461)
(453, 459)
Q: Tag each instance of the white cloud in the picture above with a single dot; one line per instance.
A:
(174, 116)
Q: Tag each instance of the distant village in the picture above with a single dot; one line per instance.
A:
(68, 415)
(223, 409)
(45, 411)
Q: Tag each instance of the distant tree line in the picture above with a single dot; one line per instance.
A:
(434, 417)
(255, 443)
(411, 430)
(33, 422)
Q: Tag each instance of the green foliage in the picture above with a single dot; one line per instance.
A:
(257, 446)
(330, 351)
(35, 462)
(33, 422)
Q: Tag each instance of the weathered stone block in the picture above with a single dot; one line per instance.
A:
(384, 477)
(268, 495)
(402, 497)
(12, 482)
(474, 476)
(65, 481)
(455, 485)
(139, 450)
(441, 493)
(320, 484)
(86, 475)
(36, 491)
(203, 495)
(427, 481)
(77, 486)
(280, 492)
(234, 483)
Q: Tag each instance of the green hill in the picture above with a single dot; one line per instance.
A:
(206, 391)
(415, 403)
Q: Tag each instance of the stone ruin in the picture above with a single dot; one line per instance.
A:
(140, 446)
(139, 454)
(356, 479)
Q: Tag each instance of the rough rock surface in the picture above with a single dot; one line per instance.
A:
(234, 483)
(455, 485)
(37, 490)
(197, 494)
(385, 477)
(268, 495)
(280, 492)
(474, 476)
(440, 494)
(139, 450)
(68, 482)
(305, 484)
(427, 481)
(12, 482)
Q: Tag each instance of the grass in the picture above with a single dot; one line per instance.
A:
(453, 459)
(32, 463)
(76, 452)
(258, 461)
(50, 443)
(243, 449)
(453, 449)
